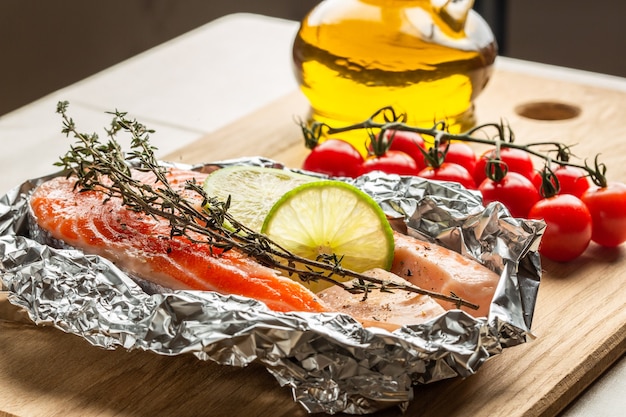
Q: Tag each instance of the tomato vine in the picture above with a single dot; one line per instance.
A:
(387, 119)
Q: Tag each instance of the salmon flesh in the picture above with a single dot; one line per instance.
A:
(141, 245)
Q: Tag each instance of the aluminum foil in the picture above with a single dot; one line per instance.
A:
(329, 361)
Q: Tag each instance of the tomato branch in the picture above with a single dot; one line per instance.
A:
(387, 119)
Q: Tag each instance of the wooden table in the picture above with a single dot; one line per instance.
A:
(580, 320)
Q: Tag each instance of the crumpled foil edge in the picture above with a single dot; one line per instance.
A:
(331, 363)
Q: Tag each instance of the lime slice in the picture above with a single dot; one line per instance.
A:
(332, 217)
(253, 190)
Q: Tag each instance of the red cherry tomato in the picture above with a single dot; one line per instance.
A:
(572, 180)
(537, 179)
(462, 154)
(607, 206)
(517, 160)
(334, 157)
(391, 162)
(515, 191)
(449, 171)
(409, 143)
(568, 227)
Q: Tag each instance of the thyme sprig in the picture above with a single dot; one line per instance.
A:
(499, 135)
(104, 167)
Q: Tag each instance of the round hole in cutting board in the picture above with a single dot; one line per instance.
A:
(547, 110)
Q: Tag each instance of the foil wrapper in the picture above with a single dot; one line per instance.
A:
(330, 361)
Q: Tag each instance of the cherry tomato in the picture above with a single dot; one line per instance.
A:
(515, 191)
(391, 162)
(462, 154)
(449, 171)
(334, 157)
(572, 180)
(409, 143)
(517, 160)
(568, 226)
(607, 206)
(536, 179)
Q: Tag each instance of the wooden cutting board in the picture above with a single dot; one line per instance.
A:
(580, 319)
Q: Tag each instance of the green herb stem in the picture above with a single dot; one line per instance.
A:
(105, 168)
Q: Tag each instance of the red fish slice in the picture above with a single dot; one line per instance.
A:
(141, 245)
(441, 270)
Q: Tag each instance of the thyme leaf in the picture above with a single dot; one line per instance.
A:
(104, 167)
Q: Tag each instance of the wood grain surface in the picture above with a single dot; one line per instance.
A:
(579, 322)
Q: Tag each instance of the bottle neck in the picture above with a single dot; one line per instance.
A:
(452, 13)
(450, 16)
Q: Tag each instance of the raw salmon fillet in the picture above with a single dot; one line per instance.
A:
(141, 245)
(387, 310)
(438, 269)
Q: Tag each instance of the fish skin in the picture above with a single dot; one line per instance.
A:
(141, 245)
(435, 268)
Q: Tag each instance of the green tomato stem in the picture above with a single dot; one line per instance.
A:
(503, 138)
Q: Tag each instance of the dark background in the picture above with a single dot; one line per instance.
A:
(47, 45)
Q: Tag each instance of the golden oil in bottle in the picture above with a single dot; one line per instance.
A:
(428, 59)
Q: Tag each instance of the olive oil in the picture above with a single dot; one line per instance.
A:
(354, 57)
